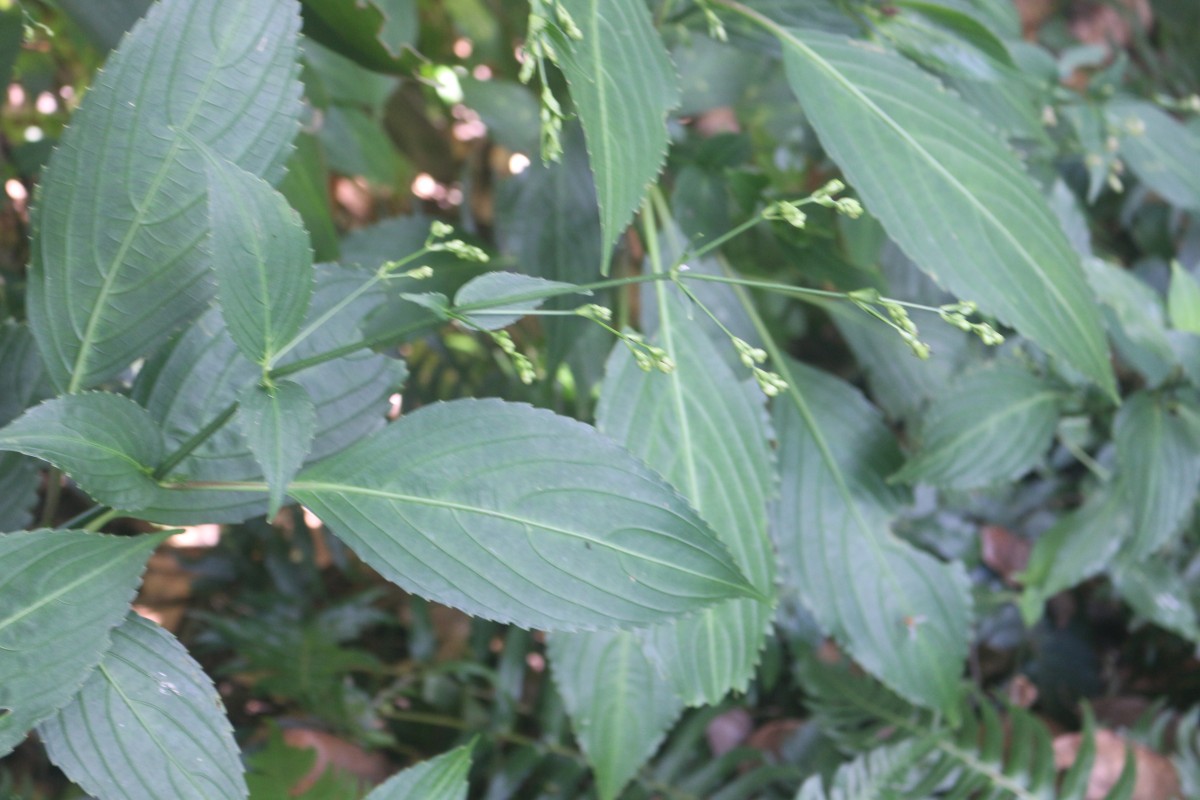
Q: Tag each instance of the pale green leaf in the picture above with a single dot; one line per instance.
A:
(705, 430)
(119, 257)
(1183, 300)
(1160, 150)
(1158, 462)
(620, 705)
(440, 778)
(518, 515)
(106, 442)
(278, 423)
(1159, 593)
(993, 424)
(948, 191)
(504, 290)
(899, 612)
(1133, 314)
(147, 724)
(202, 374)
(61, 593)
(623, 85)
(262, 259)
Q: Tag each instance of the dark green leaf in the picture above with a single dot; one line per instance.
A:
(902, 614)
(262, 258)
(147, 724)
(18, 490)
(306, 187)
(119, 258)
(374, 33)
(1159, 593)
(496, 288)
(106, 442)
(993, 424)
(441, 778)
(21, 371)
(61, 593)
(1158, 463)
(105, 21)
(623, 85)
(980, 225)
(11, 35)
(510, 112)
(278, 423)
(620, 705)
(518, 515)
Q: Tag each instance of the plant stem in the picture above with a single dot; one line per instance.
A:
(104, 517)
(53, 494)
(200, 437)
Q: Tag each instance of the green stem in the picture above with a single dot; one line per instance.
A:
(53, 495)
(101, 520)
(188, 447)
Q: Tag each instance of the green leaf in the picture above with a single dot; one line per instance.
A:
(902, 614)
(147, 723)
(61, 593)
(372, 32)
(119, 258)
(274, 770)
(441, 778)
(993, 424)
(1133, 314)
(510, 112)
(1183, 300)
(705, 430)
(106, 442)
(1158, 462)
(518, 515)
(1159, 149)
(104, 23)
(22, 372)
(202, 374)
(1159, 593)
(620, 705)
(306, 187)
(262, 258)
(623, 85)
(980, 226)
(278, 423)
(506, 290)
(11, 35)
(19, 479)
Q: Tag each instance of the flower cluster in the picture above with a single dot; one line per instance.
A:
(956, 314)
(897, 317)
(770, 383)
(437, 242)
(521, 362)
(537, 50)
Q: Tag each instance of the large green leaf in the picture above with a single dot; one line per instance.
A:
(901, 613)
(306, 187)
(106, 442)
(21, 371)
(704, 430)
(61, 593)
(278, 422)
(147, 724)
(119, 258)
(372, 32)
(191, 383)
(522, 516)
(993, 424)
(948, 191)
(1133, 314)
(1160, 150)
(18, 490)
(621, 707)
(441, 778)
(1158, 463)
(262, 258)
(623, 85)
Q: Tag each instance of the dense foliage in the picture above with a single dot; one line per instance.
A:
(800, 399)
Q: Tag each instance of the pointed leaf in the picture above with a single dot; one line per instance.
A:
(372, 32)
(198, 378)
(993, 424)
(504, 290)
(61, 593)
(620, 706)
(706, 432)
(1158, 458)
(278, 423)
(263, 261)
(147, 723)
(119, 258)
(106, 442)
(441, 778)
(623, 85)
(1183, 301)
(901, 613)
(516, 514)
(981, 227)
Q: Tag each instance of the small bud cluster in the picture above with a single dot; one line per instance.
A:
(595, 312)
(537, 50)
(956, 314)
(770, 383)
(897, 317)
(520, 361)
(716, 28)
(437, 242)
(787, 211)
(647, 356)
(845, 205)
